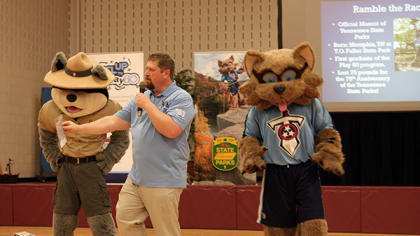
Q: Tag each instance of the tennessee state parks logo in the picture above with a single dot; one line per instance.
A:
(287, 130)
(225, 153)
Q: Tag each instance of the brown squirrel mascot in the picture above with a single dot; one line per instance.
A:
(80, 94)
(288, 134)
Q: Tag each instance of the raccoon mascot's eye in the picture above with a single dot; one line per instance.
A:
(288, 75)
(270, 77)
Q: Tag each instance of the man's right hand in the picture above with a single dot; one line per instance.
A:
(70, 127)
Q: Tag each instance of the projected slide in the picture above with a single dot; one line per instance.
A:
(371, 51)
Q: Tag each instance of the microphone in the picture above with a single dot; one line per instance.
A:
(142, 89)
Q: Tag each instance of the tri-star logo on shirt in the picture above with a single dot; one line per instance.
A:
(287, 129)
(165, 105)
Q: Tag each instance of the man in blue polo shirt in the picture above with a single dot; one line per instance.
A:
(160, 150)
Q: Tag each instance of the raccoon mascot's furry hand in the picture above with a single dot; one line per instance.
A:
(252, 151)
(328, 151)
(280, 78)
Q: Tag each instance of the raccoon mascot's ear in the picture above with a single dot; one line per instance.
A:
(250, 59)
(304, 53)
(248, 88)
(59, 62)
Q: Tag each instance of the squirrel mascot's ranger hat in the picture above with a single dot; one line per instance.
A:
(288, 134)
(80, 94)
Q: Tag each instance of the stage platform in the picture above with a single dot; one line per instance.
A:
(387, 210)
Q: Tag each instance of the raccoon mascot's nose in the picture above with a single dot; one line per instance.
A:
(71, 97)
(280, 89)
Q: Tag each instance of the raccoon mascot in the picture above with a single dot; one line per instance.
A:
(288, 134)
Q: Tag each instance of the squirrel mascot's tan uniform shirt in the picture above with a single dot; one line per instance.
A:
(78, 145)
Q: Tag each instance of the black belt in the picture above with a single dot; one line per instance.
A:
(78, 160)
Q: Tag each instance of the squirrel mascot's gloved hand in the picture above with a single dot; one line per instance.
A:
(49, 145)
(114, 151)
(328, 151)
(252, 154)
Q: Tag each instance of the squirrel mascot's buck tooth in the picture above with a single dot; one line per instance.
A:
(81, 161)
(288, 133)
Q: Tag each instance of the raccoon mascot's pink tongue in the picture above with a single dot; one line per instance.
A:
(282, 105)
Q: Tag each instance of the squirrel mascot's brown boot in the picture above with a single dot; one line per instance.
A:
(102, 225)
(64, 225)
(278, 231)
(316, 227)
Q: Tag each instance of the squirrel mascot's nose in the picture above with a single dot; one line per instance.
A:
(71, 97)
(280, 89)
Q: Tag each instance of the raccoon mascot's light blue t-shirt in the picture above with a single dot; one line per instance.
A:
(288, 136)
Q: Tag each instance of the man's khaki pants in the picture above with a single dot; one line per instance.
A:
(136, 203)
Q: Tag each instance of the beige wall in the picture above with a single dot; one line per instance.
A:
(31, 32)
(301, 21)
(177, 27)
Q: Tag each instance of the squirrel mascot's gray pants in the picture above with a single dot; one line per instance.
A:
(82, 185)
